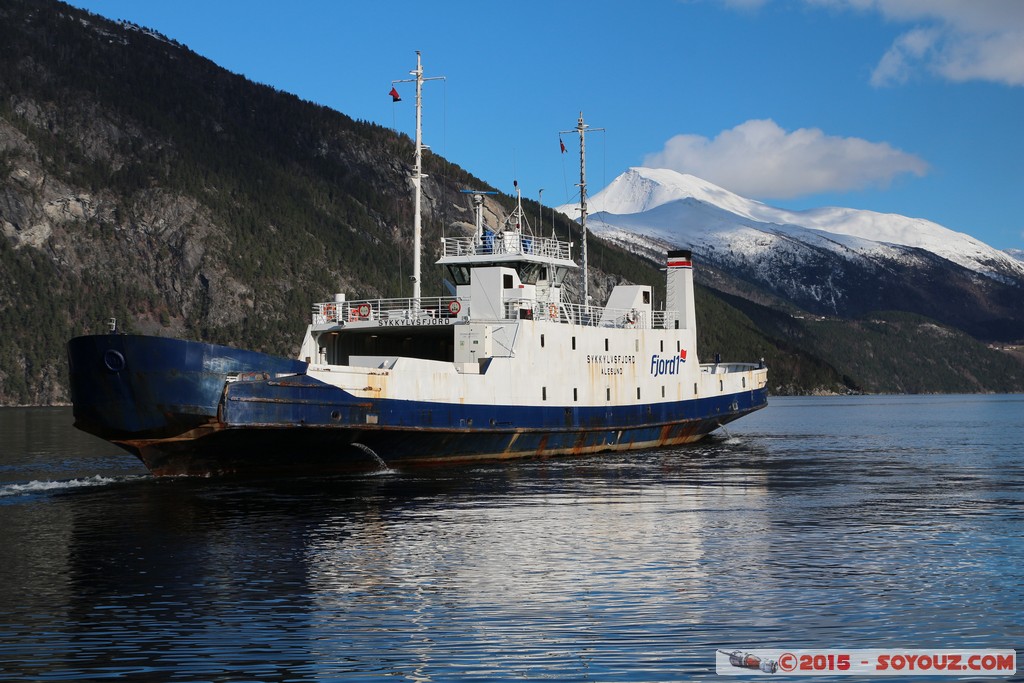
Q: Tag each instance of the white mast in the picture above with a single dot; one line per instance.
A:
(417, 176)
(582, 128)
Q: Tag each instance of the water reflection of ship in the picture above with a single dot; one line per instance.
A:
(320, 572)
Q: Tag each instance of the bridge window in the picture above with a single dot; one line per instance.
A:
(459, 274)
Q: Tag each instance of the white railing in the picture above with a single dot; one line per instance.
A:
(506, 243)
(429, 307)
(438, 308)
(589, 316)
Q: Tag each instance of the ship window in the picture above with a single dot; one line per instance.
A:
(574, 343)
(542, 341)
(637, 343)
(529, 273)
(606, 344)
(694, 388)
(647, 297)
(638, 393)
(575, 394)
(459, 274)
(608, 394)
(663, 391)
(721, 385)
(507, 280)
(544, 393)
(743, 380)
(662, 345)
(679, 346)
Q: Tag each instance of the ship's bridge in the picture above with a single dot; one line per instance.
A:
(536, 260)
(502, 247)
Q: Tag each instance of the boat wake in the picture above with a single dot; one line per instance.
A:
(37, 486)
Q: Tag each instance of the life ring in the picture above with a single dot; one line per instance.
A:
(454, 307)
(364, 311)
(330, 311)
(553, 311)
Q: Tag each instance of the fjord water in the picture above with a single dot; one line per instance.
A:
(853, 522)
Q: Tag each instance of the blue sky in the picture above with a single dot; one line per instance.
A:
(904, 106)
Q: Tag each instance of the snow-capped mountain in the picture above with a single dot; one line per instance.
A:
(834, 261)
(689, 200)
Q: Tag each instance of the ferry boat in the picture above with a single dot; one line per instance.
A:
(506, 366)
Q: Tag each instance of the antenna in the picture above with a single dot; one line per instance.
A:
(582, 129)
(478, 203)
(540, 211)
(417, 174)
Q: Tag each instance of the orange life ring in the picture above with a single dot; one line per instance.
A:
(364, 311)
(454, 307)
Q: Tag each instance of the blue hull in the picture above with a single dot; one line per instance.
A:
(130, 386)
(170, 402)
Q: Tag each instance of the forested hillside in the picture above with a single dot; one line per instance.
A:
(140, 181)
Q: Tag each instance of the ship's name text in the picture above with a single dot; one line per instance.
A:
(415, 322)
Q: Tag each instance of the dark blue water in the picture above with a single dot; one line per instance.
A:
(863, 522)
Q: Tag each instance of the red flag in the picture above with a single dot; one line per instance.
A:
(562, 145)
(395, 97)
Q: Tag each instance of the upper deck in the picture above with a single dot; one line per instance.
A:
(506, 246)
(435, 311)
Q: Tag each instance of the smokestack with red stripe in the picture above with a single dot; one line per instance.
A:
(679, 310)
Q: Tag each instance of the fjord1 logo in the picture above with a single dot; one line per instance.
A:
(672, 365)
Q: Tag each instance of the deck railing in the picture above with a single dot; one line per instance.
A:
(506, 243)
(438, 308)
(589, 316)
(428, 308)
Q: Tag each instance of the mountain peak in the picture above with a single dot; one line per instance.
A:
(641, 189)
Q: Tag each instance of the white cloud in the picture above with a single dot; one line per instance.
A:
(959, 40)
(760, 159)
(898, 63)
